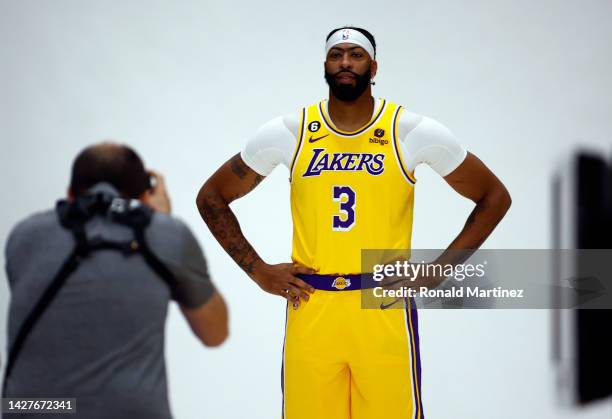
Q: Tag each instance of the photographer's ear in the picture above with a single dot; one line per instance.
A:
(157, 197)
(145, 196)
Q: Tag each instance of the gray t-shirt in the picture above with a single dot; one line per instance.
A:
(102, 338)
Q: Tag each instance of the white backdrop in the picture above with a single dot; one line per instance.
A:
(519, 82)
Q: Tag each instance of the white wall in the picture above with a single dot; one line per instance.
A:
(185, 83)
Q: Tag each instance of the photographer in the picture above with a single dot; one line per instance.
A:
(90, 285)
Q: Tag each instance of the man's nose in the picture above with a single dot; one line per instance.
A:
(346, 62)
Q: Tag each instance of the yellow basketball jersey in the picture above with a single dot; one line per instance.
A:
(349, 190)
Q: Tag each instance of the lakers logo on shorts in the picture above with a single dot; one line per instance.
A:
(341, 283)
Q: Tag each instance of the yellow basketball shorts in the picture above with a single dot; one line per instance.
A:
(344, 362)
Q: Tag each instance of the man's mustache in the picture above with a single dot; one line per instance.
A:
(345, 71)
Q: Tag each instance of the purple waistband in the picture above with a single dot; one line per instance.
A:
(339, 282)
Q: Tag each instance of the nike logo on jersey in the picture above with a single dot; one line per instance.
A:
(314, 140)
(321, 162)
(384, 306)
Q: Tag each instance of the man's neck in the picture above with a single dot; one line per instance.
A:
(350, 116)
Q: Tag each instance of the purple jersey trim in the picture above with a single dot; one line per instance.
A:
(340, 282)
(413, 327)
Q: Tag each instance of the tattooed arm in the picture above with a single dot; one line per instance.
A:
(233, 180)
(475, 181)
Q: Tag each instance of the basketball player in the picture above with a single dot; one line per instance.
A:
(351, 162)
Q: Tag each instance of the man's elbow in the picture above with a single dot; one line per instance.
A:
(209, 201)
(508, 201)
(502, 199)
(210, 321)
(215, 329)
(215, 338)
(203, 195)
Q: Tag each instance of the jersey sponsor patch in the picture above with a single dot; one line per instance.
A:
(380, 141)
(322, 161)
(379, 133)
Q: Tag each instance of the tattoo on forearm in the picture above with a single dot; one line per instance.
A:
(223, 224)
(238, 166)
(256, 181)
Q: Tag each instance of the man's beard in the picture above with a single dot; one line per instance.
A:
(347, 92)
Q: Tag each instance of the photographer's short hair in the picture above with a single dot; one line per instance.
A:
(116, 164)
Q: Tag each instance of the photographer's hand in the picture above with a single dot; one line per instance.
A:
(157, 197)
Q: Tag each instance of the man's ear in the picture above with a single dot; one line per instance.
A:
(373, 68)
(144, 197)
(70, 194)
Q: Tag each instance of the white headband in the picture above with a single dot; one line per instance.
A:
(350, 36)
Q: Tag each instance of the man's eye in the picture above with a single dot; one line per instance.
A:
(335, 55)
(357, 55)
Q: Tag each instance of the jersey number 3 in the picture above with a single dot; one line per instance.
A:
(344, 195)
